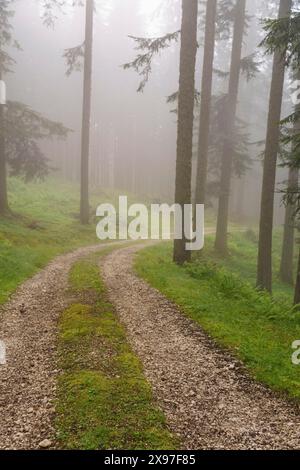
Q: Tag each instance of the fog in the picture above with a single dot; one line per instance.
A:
(133, 135)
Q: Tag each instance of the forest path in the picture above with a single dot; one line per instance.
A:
(28, 327)
(209, 401)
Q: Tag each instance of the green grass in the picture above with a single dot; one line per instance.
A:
(45, 224)
(255, 327)
(105, 401)
(243, 259)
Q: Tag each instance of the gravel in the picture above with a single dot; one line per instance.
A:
(28, 327)
(208, 398)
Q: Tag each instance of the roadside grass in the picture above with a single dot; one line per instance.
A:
(243, 247)
(44, 224)
(220, 296)
(104, 400)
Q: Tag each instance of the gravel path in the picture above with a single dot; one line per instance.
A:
(28, 326)
(208, 399)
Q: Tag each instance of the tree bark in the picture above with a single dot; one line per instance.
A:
(86, 114)
(264, 270)
(3, 174)
(185, 116)
(221, 243)
(287, 258)
(206, 95)
(297, 288)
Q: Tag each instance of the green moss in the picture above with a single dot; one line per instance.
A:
(105, 401)
(254, 326)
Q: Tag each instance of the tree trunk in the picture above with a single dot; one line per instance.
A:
(264, 270)
(297, 288)
(186, 116)
(3, 175)
(221, 243)
(287, 258)
(86, 114)
(206, 94)
(286, 267)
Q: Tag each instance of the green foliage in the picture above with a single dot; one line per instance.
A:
(22, 128)
(283, 35)
(104, 401)
(74, 57)
(6, 36)
(150, 47)
(219, 295)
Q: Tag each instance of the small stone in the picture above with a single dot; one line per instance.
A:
(22, 309)
(45, 444)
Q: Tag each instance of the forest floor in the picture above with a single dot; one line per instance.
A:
(220, 296)
(71, 380)
(67, 351)
(209, 399)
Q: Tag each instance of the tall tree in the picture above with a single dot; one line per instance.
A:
(206, 96)
(264, 269)
(297, 288)
(287, 257)
(188, 50)
(86, 113)
(6, 61)
(229, 123)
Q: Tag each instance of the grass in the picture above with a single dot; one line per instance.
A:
(46, 224)
(219, 295)
(243, 259)
(105, 401)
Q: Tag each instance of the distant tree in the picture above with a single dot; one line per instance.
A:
(86, 113)
(21, 128)
(74, 58)
(206, 97)
(240, 140)
(274, 42)
(229, 127)
(291, 199)
(188, 50)
(287, 255)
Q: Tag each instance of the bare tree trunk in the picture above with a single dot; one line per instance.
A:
(221, 243)
(183, 184)
(183, 192)
(3, 175)
(297, 288)
(264, 270)
(287, 258)
(206, 94)
(86, 114)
